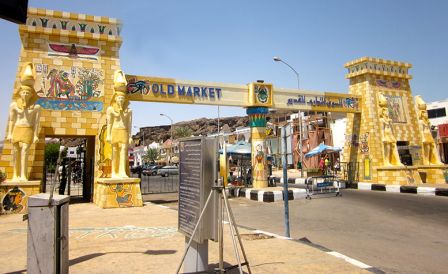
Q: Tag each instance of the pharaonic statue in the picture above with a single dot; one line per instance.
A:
(23, 122)
(119, 121)
(430, 154)
(391, 157)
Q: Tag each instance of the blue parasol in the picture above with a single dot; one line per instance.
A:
(240, 147)
(322, 148)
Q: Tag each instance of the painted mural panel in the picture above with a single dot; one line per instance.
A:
(14, 201)
(259, 159)
(123, 194)
(72, 88)
(396, 109)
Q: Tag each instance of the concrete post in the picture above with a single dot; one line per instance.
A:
(196, 259)
(47, 234)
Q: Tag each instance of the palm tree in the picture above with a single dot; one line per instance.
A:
(152, 155)
(182, 132)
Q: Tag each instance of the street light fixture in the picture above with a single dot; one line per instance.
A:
(171, 132)
(278, 59)
(171, 128)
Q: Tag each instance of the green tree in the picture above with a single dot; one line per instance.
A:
(182, 132)
(152, 155)
(51, 156)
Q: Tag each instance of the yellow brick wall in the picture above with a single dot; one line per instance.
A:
(364, 82)
(63, 123)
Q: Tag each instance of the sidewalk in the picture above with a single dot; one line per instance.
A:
(145, 240)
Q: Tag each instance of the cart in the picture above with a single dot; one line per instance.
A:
(326, 184)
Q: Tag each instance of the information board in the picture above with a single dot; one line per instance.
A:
(197, 172)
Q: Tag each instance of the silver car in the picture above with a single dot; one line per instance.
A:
(168, 170)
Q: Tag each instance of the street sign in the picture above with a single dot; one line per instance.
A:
(197, 174)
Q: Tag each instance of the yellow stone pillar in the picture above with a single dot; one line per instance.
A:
(387, 126)
(257, 123)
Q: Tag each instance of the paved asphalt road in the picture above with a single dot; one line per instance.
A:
(396, 233)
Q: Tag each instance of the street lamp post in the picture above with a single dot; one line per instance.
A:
(278, 59)
(171, 128)
(171, 131)
(143, 135)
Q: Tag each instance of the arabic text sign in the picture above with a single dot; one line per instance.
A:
(325, 102)
(316, 101)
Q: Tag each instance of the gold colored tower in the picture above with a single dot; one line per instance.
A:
(75, 57)
(369, 138)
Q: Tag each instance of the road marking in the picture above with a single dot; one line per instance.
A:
(349, 260)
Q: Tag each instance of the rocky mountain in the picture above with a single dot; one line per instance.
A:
(202, 126)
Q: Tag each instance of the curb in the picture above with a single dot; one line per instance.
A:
(267, 196)
(420, 190)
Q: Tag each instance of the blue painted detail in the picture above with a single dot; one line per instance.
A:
(69, 104)
(145, 87)
(257, 110)
(324, 184)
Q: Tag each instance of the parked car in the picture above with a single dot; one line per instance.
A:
(168, 170)
(136, 169)
(151, 170)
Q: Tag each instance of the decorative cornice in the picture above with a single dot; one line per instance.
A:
(73, 16)
(72, 25)
(378, 66)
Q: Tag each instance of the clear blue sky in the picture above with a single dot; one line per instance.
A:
(234, 42)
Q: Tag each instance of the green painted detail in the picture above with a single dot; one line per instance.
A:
(262, 94)
(257, 121)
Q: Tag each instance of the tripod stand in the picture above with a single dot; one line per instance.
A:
(220, 191)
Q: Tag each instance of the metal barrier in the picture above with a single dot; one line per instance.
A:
(158, 184)
(325, 184)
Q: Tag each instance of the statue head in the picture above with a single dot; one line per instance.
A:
(424, 114)
(382, 100)
(384, 112)
(27, 75)
(120, 82)
(421, 105)
(120, 101)
(25, 96)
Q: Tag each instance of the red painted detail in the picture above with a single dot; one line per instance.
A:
(73, 49)
(443, 130)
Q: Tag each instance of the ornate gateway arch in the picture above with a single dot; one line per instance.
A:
(71, 66)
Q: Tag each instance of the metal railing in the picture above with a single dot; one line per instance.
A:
(158, 184)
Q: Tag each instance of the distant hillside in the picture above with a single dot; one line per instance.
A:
(202, 126)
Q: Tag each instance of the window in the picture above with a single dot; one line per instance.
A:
(436, 113)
